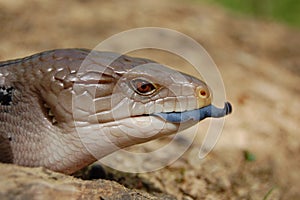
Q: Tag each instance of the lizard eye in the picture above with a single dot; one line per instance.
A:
(143, 87)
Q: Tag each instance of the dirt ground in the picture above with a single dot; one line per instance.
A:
(258, 60)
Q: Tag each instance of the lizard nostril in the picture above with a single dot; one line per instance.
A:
(202, 92)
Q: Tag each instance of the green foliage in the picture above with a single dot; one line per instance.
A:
(250, 157)
(280, 10)
(268, 194)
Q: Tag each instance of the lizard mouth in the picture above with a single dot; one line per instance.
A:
(197, 114)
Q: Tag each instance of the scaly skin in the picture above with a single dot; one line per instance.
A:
(64, 109)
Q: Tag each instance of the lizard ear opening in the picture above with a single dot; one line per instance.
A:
(49, 114)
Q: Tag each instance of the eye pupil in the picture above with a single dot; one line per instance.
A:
(144, 87)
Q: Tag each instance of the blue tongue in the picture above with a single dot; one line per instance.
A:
(196, 115)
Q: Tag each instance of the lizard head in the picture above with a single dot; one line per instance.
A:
(126, 100)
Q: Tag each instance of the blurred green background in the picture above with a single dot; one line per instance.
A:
(286, 11)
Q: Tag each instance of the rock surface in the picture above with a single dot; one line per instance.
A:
(38, 183)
